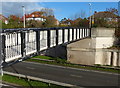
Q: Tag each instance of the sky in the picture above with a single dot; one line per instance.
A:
(61, 9)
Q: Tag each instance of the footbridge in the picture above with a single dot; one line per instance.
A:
(18, 44)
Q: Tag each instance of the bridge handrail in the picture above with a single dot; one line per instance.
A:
(39, 29)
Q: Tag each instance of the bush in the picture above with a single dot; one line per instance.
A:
(117, 32)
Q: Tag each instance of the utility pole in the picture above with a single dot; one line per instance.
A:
(90, 11)
(23, 7)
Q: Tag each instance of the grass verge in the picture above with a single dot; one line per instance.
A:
(29, 84)
(62, 62)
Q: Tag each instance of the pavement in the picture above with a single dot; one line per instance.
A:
(73, 76)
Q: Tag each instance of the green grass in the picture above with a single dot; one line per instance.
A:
(57, 60)
(64, 63)
(24, 82)
(43, 57)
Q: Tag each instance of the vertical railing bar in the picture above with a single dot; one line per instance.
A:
(76, 34)
(63, 35)
(79, 33)
(38, 41)
(90, 32)
(84, 32)
(10, 44)
(3, 48)
(23, 51)
(48, 38)
(68, 35)
(72, 34)
(57, 35)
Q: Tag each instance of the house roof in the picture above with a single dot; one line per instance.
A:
(104, 14)
(3, 18)
(36, 14)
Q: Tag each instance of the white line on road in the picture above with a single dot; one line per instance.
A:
(76, 76)
(30, 68)
(71, 68)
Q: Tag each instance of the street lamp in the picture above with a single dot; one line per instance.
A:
(90, 11)
(23, 7)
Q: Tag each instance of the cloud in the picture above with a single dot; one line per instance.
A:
(15, 8)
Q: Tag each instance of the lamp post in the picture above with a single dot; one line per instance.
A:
(23, 7)
(90, 11)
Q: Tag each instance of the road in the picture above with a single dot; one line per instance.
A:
(78, 77)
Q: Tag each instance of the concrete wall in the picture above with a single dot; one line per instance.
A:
(80, 52)
(103, 37)
(104, 42)
(91, 51)
(102, 32)
(108, 57)
(81, 57)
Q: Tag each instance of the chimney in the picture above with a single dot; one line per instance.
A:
(95, 12)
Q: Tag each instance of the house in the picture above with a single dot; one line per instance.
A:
(37, 15)
(56, 22)
(106, 15)
(3, 19)
(66, 21)
(109, 18)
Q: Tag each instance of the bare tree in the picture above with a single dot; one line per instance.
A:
(47, 11)
(112, 10)
(81, 14)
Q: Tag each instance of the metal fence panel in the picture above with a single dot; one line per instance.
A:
(12, 46)
(74, 33)
(70, 34)
(43, 40)
(66, 35)
(52, 38)
(60, 36)
(30, 42)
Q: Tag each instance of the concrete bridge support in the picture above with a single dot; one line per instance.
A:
(94, 50)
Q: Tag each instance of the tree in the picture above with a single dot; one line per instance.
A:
(47, 12)
(100, 22)
(84, 23)
(65, 22)
(50, 21)
(81, 14)
(112, 10)
(34, 24)
(13, 22)
(75, 22)
(80, 22)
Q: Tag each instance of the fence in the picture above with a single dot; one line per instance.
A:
(19, 43)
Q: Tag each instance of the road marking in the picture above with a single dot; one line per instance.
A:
(72, 68)
(30, 68)
(76, 76)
